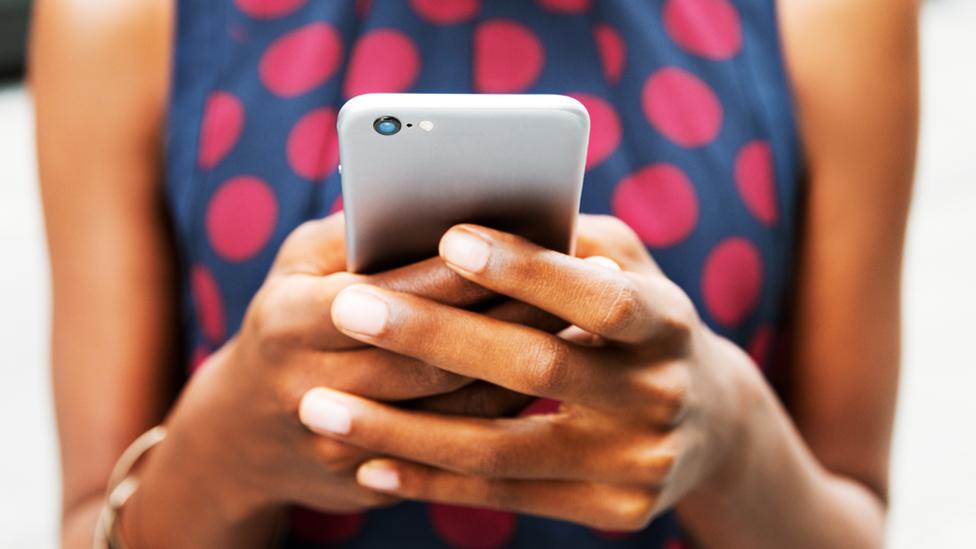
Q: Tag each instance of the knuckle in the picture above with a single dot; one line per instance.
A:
(664, 393)
(633, 510)
(304, 232)
(623, 310)
(621, 232)
(296, 251)
(653, 463)
(671, 402)
(617, 225)
(679, 315)
(272, 322)
(547, 363)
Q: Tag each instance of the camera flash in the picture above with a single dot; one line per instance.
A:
(426, 125)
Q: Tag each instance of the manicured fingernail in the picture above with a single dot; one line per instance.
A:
(360, 311)
(604, 261)
(323, 414)
(465, 250)
(378, 477)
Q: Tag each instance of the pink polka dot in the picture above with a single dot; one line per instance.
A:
(708, 28)
(199, 356)
(604, 128)
(383, 60)
(337, 205)
(612, 49)
(682, 107)
(659, 203)
(362, 7)
(541, 407)
(755, 179)
(446, 12)
(313, 150)
(469, 528)
(732, 280)
(324, 528)
(268, 9)
(223, 120)
(301, 60)
(760, 345)
(241, 217)
(565, 6)
(508, 57)
(207, 302)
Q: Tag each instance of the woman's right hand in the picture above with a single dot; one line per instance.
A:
(234, 436)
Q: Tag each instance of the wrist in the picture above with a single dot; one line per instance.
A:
(750, 405)
(211, 465)
(194, 490)
(209, 440)
(187, 498)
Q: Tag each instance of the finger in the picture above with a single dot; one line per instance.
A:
(468, 445)
(478, 399)
(516, 312)
(579, 335)
(605, 235)
(429, 278)
(618, 306)
(537, 447)
(316, 247)
(375, 374)
(296, 308)
(602, 506)
(517, 357)
(337, 494)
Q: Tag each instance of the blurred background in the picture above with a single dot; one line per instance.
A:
(935, 447)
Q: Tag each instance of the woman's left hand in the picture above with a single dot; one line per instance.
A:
(654, 404)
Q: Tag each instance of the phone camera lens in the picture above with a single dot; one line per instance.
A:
(386, 125)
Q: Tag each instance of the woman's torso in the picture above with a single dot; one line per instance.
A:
(692, 143)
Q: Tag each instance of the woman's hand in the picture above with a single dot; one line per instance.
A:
(235, 436)
(653, 403)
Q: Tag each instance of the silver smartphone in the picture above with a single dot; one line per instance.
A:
(413, 165)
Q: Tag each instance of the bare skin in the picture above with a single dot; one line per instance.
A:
(785, 475)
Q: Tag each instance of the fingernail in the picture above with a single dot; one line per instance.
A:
(359, 311)
(378, 477)
(465, 250)
(323, 414)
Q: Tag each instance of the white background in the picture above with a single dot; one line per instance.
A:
(934, 500)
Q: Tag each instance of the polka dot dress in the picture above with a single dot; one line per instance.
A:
(692, 144)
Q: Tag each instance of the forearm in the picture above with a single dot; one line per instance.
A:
(776, 493)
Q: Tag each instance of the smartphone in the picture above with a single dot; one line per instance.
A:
(414, 165)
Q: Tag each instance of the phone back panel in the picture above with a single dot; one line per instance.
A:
(511, 162)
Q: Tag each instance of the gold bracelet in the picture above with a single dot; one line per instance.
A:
(121, 487)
